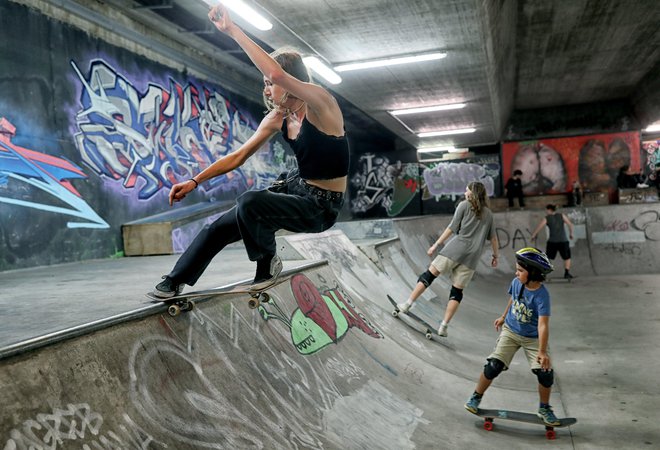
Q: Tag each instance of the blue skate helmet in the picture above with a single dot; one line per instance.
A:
(535, 262)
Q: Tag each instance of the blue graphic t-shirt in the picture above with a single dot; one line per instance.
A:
(523, 316)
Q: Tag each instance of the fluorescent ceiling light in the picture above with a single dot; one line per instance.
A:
(423, 109)
(435, 149)
(324, 71)
(653, 128)
(246, 12)
(389, 62)
(446, 132)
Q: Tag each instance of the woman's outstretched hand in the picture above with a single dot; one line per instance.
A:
(180, 190)
(219, 16)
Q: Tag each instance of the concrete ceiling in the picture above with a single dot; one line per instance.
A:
(501, 55)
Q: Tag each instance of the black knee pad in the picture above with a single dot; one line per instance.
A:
(426, 278)
(493, 368)
(546, 377)
(456, 294)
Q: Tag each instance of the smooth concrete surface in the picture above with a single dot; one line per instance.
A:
(326, 365)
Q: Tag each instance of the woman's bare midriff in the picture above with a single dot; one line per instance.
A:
(335, 184)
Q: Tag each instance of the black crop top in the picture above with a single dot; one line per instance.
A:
(319, 155)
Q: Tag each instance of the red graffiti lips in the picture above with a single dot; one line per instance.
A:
(312, 305)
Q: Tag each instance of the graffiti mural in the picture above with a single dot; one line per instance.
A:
(378, 182)
(651, 170)
(34, 170)
(451, 178)
(152, 140)
(551, 166)
(323, 316)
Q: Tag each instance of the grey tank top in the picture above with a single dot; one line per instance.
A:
(556, 228)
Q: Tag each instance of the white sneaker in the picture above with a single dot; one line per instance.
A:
(404, 307)
(442, 330)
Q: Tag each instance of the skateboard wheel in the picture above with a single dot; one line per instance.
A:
(550, 434)
(264, 297)
(428, 335)
(253, 303)
(395, 313)
(189, 306)
(173, 310)
(488, 425)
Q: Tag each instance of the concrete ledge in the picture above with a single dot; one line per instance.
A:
(153, 235)
(535, 202)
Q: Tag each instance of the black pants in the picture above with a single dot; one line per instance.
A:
(521, 201)
(291, 205)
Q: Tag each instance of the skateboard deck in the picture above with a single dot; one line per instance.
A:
(490, 415)
(559, 280)
(429, 330)
(185, 302)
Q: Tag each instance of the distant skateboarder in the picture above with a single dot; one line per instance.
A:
(557, 242)
(472, 225)
(525, 323)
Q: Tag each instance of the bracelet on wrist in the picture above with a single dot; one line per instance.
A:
(196, 183)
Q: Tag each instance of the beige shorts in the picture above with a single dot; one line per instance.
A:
(508, 344)
(460, 275)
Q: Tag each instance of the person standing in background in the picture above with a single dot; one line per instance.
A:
(514, 189)
(557, 242)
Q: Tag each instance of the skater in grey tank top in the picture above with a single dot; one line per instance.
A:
(557, 240)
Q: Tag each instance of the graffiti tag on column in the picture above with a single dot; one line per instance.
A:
(154, 139)
(452, 178)
(378, 182)
(44, 173)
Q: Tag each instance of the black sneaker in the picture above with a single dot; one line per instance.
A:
(568, 276)
(167, 288)
(268, 270)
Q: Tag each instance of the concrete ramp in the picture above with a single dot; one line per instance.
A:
(317, 368)
(326, 366)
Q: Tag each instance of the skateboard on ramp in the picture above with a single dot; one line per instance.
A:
(429, 331)
(185, 302)
(559, 280)
(490, 415)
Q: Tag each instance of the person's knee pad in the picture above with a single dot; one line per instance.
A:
(456, 294)
(493, 368)
(426, 278)
(546, 377)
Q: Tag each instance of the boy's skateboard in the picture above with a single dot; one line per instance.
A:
(429, 330)
(490, 414)
(184, 302)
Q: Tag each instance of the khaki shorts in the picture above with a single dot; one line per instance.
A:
(460, 275)
(508, 344)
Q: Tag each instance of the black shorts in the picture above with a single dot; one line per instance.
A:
(563, 248)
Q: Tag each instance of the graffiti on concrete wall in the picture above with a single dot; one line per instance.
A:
(80, 426)
(652, 151)
(552, 166)
(377, 182)
(304, 403)
(151, 140)
(323, 316)
(629, 237)
(451, 179)
(34, 171)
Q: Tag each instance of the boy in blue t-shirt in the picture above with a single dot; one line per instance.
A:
(525, 323)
